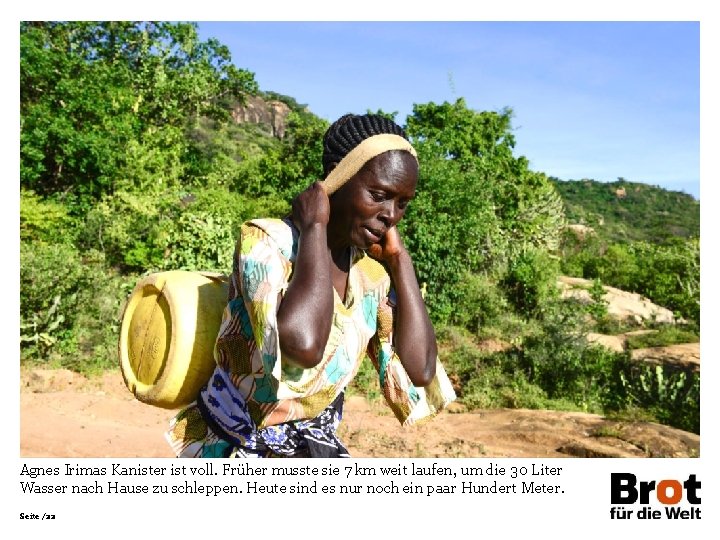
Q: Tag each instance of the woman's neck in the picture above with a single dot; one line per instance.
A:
(341, 258)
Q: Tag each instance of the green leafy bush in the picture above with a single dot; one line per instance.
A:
(474, 201)
(43, 220)
(573, 371)
(531, 279)
(485, 379)
(236, 207)
(52, 282)
(132, 229)
(446, 243)
(93, 346)
(196, 230)
(669, 275)
(559, 360)
(199, 241)
(482, 303)
(70, 306)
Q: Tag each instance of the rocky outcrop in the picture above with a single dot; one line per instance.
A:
(580, 231)
(614, 343)
(621, 304)
(258, 111)
(617, 343)
(369, 431)
(685, 356)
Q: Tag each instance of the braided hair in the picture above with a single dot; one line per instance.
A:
(350, 130)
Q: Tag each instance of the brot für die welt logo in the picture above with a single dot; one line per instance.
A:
(680, 499)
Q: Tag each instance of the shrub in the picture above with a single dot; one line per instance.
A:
(531, 279)
(52, 281)
(619, 267)
(559, 360)
(672, 396)
(131, 229)
(586, 375)
(94, 343)
(492, 387)
(199, 241)
(43, 220)
(236, 207)
(475, 199)
(670, 275)
(598, 307)
(481, 303)
(174, 229)
(490, 380)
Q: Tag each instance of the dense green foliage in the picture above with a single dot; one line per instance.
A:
(130, 164)
(105, 105)
(477, 206)
(668, 274)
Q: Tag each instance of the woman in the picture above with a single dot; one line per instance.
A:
(307, 303)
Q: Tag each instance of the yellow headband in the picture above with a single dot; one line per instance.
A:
(361, 154)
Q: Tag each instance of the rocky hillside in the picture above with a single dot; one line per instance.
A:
(625, 211)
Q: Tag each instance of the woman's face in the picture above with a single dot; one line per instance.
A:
(374, 200)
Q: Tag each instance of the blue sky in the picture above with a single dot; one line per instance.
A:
(596, 100)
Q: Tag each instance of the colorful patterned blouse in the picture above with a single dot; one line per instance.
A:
(247, 349)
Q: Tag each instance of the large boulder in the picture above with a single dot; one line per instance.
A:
(258, 111)
(684, 356)
(621, 304)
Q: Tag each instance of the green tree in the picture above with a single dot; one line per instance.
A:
(669, 275)
(287, 170)
(108, 103)
(477, 203)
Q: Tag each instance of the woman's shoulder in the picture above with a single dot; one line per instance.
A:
(273, 232)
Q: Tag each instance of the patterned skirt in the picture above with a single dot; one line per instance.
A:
(218, 424)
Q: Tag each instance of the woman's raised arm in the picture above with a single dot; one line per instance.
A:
(305, 313)
(414, 340)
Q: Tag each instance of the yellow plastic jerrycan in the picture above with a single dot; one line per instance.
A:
(167, 336)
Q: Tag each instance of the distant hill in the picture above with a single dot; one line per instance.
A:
(624, 211)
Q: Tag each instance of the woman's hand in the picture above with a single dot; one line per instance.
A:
(311, 207)
(389, 248)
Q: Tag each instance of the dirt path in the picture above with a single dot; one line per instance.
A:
(65, 415)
